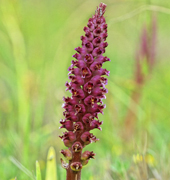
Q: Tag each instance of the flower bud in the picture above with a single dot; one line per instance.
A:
(89, 36)
(67, 124)
(77, 56)
(77, 80)
(91, 26)
(101, 72)
(98, 80)
(68, 138)
(67, 154)
(97, 51)
(88, 138)
(70, 101)
(86, 29)
(89, 46)
(80, 50)
(96, 124)
(103, 36)
(96, 42)
(87, 155)
(97, 31)
(70, 116)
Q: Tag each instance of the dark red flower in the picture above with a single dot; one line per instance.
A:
(87, 86)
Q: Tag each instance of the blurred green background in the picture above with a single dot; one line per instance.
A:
(37, 41)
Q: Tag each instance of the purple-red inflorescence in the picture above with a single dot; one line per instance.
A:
(87, 86)
(145, 55)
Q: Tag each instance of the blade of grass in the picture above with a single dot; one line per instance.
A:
(38, 171)
(138, 11)
(51, 171)
(21, 167)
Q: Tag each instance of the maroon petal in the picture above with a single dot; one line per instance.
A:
(79, 64)
(75, 71)
(76, 79)
(79, 108)
(97, 52)
(67, 124)
(79, 93)
(86, 73)
(90, 100)
(99, 80)
(86, 29)
(103, 45)
(99, 91)
(80, 50)
(90, 26)
(89, 36)
(70, 116)
(103, 36)
(88, 138)
(97, 41)
(96, 66)
(87, 155)
(88, 46)
(87, 119)
(103, 26)
(101, 72)
(97, 31)
(96, 124)
(70, 101)
(77, 56)
(88, 87)
(85, 137)
(88, 58)
(96, 108)
(68, 138)
(68, 107)
(84, 39)
(78, 127)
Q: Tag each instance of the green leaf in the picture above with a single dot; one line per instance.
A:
(38, 171)
(51, 170)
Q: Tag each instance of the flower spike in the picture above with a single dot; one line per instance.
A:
(87, 86)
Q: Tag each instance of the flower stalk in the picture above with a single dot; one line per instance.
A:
(144, 63)
(87, 86)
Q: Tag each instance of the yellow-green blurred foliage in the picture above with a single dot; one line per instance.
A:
(37, 41)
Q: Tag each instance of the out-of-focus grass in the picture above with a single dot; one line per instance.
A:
(37, 41)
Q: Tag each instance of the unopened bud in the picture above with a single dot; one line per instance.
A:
(67, 154)
(87, 155)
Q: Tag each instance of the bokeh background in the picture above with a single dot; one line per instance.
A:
(37, 41)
